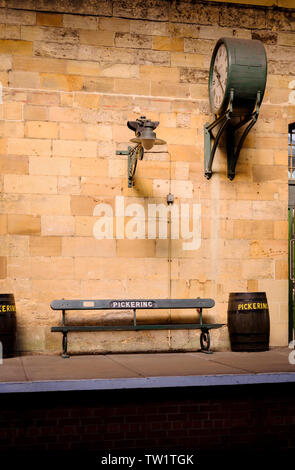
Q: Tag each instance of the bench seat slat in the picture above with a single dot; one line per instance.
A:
(169, 326)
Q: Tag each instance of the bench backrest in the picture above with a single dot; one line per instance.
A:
(127, 304)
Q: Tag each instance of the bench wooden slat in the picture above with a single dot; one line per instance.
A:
(129, 304)
(167, 326)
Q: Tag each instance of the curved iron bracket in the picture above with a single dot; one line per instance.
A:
(233, 148)
(134, 154)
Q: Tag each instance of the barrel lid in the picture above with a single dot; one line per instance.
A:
(7, 297)
(247, 295)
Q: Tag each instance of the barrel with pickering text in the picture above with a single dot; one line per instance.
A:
(7, 325)
(248, 321)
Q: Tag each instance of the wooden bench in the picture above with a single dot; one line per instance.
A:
(134, 304)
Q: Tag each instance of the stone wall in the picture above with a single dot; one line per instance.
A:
(71, 78)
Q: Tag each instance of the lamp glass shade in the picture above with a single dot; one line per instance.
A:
(147, 138)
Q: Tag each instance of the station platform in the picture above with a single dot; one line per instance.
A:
(45, 373)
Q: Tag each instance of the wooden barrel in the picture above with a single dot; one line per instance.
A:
(8, 325)
(248, 321)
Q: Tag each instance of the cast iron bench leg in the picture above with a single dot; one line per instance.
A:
(205, 341)
(65, 345)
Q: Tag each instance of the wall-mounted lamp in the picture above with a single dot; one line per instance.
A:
(145, 139)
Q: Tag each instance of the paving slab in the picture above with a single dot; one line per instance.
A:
(74, 368)
(256, 362)
(11, 370)
(173, 364)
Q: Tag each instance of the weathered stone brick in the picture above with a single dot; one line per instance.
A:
(3, 224)
(97, 38)
(41, 129)
(83, 205)
(10, 46)
(88, 246)
(37, 113)
(71, 131)
(43, 98)
(49, 19)
(82, 67)
(180, 59)
(114, 24)
(99, 84)
(11, 129)
(188, 12)
(136, 87)
(63, 114)
(68, 148)
(57, 225)
(14, 16)
(45, 246)
(149, 10)
(150, 72)
(54, 49)
(52, 267)
(3, 267)
(81, 22)
(23, 224)
(89, 167)
(14, 165)
(244, 17)
(29, 147)
(30, 184)
(170, 89)
(49, 166)
(61, 81)
(24, 79)
(138, 41)
(162, 43)
(68, 185)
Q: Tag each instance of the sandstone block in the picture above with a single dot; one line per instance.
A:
(97, 38)
(49, 204)
(3, 267)
(49, 166)
(23, 224)
(88, 246)
(29, 147)
(30, 184)
(68, 185)
(181, 59)
(90, 101)
(253, 230)
(131, 86)
(3, 224)
(10, 46)
(75, 148)
(71, 131)
(35, 113)
(61, 81)
(114, 24)
(49, 19)
(52, 267)
(165, 43)
(45, 246)
(14, 165)
(89, 167)
(80, 22)
(83, 205)
(136, 248)
(54, 225)
(159, 74)
(13, 111)
(41, 129)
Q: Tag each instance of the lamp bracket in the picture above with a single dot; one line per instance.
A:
(228, 128)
